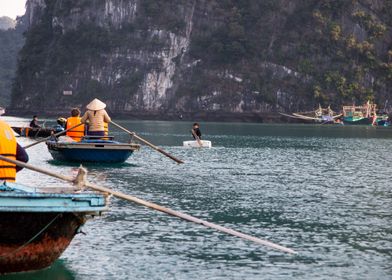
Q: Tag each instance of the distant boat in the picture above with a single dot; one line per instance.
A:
(92, 149)
(364, 115)
(2, 111)
(383, 119)
(320, 115)
(196, 144)
(32, 132)
(38, 224)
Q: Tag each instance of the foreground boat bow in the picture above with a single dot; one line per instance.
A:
(38, 224)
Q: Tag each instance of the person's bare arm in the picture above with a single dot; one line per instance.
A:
(106, 117)
(84, 118)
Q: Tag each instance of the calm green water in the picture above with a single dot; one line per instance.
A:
(324, 191)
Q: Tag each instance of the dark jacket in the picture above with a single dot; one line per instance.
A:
(21, 155)
(34, 123)
(197, 132)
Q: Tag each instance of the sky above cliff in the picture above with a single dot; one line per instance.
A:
(12, 8)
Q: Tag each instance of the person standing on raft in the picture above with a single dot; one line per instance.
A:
(97, 117)
(196, 133)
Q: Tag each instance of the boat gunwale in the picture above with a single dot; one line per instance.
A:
(89, 202)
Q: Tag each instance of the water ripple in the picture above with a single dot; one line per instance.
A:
(323, 191)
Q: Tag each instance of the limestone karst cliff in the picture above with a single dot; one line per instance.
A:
(11, 41)
(186, 56)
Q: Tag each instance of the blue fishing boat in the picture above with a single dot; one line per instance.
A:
(360, 115)
(92, 149)
(38, 224)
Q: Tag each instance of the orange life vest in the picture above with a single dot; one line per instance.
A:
(76, 133)
(8, 148)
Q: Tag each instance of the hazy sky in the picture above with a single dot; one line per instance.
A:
(12, 8)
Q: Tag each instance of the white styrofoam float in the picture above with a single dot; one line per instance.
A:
(195, 144)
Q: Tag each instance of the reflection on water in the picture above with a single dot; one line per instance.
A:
(324, 191)
(58, 271)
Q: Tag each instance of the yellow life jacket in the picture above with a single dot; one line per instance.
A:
(76, 133)
(106, 128)
(8, 148)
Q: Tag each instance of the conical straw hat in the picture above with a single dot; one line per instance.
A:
(96, 105)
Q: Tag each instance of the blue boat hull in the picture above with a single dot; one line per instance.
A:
(106, 156)
(90, 151)
(363, 121)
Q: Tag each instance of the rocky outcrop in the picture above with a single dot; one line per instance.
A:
(218, 57)
(11, 41)
(7, 23)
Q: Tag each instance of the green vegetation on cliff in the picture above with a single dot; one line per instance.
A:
(342, 48)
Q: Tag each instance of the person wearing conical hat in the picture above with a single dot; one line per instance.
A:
(96, 116)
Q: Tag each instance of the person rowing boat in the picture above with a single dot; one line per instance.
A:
(196, 133)
(34, 122)
(96, 116)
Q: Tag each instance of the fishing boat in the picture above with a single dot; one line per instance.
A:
(383, 119)
(360, 115)
(197, 144)
(38, 224)
(320, 115)
(32, 132)
(92, 149)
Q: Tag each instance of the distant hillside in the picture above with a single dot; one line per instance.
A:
(6, 23)
(217, 57)
(11, 41)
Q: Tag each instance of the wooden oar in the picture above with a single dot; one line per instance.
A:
(148, 143)
(47, 138)
(153, 206)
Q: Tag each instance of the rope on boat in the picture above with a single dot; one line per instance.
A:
(31, 239)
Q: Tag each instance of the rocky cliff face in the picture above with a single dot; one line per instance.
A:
(185, 56)
(11, 41)
(7, 23)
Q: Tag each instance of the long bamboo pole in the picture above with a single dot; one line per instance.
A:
(147, 143)
(154, 206)
(47, 138)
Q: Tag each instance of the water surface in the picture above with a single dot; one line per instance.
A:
(323, 191)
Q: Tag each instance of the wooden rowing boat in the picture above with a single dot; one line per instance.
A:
(38, 224)
(320, 115)
(32, 132)
(92, 150)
